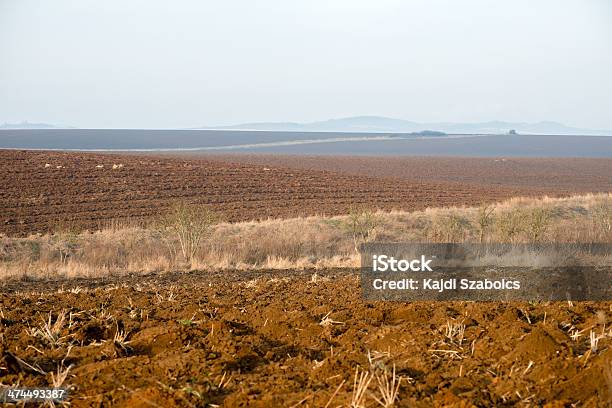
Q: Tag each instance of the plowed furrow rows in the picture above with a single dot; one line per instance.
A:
(37, 198)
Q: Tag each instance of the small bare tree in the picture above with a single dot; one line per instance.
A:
(538, 221)
(186, 225)
(511, 224)
(484, 219)
(449, 228)
(65, 241)
(456, 228)
(361, 224)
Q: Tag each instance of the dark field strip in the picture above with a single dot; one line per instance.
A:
(543, 174)
(35, 197)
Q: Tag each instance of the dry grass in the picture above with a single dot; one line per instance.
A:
(361, 382)
(311, 242)
(50, 331)
(388, 387)
(454, 332)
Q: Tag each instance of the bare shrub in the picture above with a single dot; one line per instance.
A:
(511, 224)
(361, 225)
(524, 223)
(186, 225)
(450, 228)
(458, 228)
(484, 220)
(538, 220)
(66, 243)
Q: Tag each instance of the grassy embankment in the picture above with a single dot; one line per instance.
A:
(311, 242)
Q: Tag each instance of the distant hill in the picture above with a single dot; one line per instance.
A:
(28, 125)
(381, 124)
(391, 125)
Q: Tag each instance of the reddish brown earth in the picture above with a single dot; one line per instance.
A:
(35, 198)
(255, 339)
(552, 175)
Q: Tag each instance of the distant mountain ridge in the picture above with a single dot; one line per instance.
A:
(28, 125)
(380, 124)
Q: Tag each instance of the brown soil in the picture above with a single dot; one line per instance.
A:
(35, 198)
(238, 339)
(579, 175)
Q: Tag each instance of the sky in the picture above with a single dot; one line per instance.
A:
(187, 63)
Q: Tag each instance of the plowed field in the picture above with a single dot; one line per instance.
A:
(543, 174)
(42, 191)
(281, 339)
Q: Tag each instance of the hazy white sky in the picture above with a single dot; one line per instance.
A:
(147, 63)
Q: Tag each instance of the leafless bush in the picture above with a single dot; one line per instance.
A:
(459, 227)
(65, 242)
(186, 225)
(524, 223)
(484, 219)
(511, 224)
(450, 228)
(361, 224)
(538, 220)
